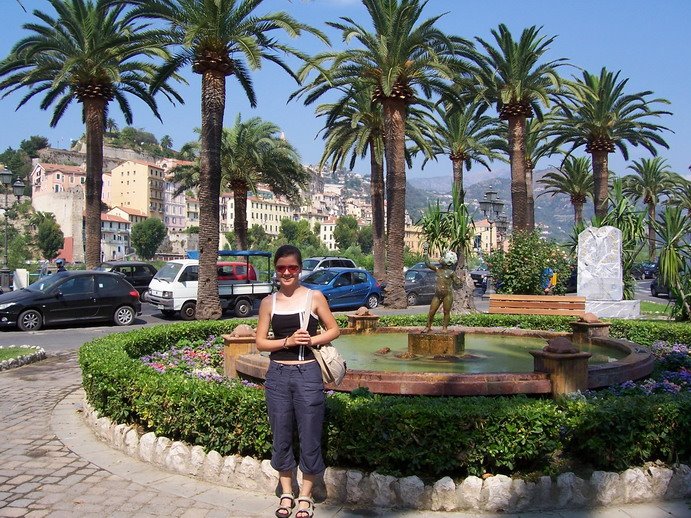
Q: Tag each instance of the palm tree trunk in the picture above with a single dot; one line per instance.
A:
(651, 232)
(378, 214)
(240, 215)
(530, 198)
(577, 211)
(213, 106)
(519, 190)
(94, 115)
(394, 145)
(457, 165)
(600, 177)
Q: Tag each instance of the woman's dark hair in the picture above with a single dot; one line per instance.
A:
(286, 250)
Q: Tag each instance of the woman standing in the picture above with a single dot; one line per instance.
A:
(294, 387)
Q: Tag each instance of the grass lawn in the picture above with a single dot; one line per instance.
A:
(7, 353)
(655, 309)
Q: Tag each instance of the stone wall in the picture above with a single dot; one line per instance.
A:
(493, 494)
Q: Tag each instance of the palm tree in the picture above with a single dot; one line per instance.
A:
(511, 76)
(575, 179)
(466, 137)
(218, 38)
(89, 52)
(252, 152)
(399, 56)
(681, 196)
(652, 179)
(675, 257)
(537, 147)
(597, 114)
(354, 127)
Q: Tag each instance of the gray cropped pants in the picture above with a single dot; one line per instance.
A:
(295, 394)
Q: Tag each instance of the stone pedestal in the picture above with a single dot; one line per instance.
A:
(614, 308)
(449, 343)
(232, 348)
(363, 323)
(568, 372)
(584, 332)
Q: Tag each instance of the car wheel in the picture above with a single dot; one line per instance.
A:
(412, 298)
(188, 311)
(30, 320)
(123, 316)
(167, 312)
(653, 292)
(243, 308)
(372, 301)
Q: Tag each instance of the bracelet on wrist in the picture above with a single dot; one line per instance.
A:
(285, 343)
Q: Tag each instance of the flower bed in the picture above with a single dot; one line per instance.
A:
(428, 437)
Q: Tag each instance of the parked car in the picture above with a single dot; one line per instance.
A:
(658, 288)
(72, 296)
(346, 287)
(312, 264)
(137, 273)
(419, 286)
(422, 266)
(572, 281)
(236, 271)
(648, 270)
(479, 275)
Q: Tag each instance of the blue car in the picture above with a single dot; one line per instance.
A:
(346, 287)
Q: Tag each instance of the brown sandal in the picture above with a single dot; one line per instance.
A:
(285, 511)
(305, 513)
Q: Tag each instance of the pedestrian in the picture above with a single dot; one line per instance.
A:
(548, 280)
(60, 263)
(293, 387)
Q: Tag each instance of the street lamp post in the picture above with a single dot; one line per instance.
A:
(18, 190)
(491, 206)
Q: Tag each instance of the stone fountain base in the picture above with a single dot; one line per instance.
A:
(436, 343)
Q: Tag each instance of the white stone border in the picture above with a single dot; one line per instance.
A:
(34, 353)
(494, 494)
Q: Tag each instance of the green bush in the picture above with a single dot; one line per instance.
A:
(400, 435)
(645, 332)
(519, 270)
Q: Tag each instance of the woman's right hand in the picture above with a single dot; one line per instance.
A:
(300, 337)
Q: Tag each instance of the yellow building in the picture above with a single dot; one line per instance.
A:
(138, 185)
(414, 238)
(266, 212)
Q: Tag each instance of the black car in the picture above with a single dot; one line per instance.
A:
(479, 275)
(70, 297)
(419, 286)
(648, 270)
(138, 274)
(657, 288)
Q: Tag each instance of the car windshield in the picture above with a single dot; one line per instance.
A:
(168, 272)
(46, 283)
(103, 267)
(321, 277)
(412, 275)
(309, 264)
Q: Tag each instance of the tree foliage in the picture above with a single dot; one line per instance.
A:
(49, 238)
(147, 236)
(346, 232)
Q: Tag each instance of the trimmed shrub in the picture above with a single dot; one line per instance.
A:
(400, 435)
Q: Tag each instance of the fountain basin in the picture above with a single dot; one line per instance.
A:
(635, 362)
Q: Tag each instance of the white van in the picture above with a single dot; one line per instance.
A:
(174, 288)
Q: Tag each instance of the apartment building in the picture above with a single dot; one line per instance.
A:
(48, 179)
(264, 211)
(139, 185)
(115, 237)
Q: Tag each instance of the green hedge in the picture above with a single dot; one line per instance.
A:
(430, 437)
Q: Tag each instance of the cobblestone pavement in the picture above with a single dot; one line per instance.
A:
(52, 465)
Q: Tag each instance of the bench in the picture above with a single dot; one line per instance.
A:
(537, 305)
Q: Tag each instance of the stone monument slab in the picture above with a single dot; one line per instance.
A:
(599, 264)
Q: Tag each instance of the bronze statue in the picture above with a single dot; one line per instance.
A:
(443, 292)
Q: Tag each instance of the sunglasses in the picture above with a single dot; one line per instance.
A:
(290, 268)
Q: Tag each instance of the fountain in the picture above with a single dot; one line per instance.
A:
(457, 361)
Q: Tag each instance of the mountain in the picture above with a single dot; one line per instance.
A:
(554, 214)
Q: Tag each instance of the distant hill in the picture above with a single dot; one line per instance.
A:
(553, 213)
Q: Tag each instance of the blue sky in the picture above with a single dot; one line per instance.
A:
(648, 41)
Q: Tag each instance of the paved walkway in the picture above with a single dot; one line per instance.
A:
(52, 465)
